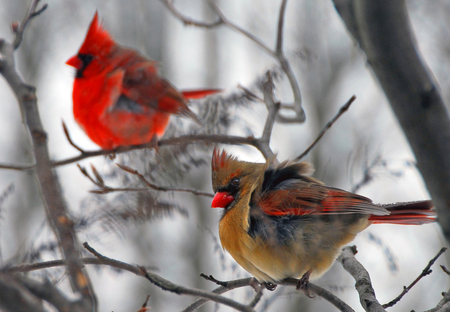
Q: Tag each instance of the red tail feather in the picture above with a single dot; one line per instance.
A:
(420, 212)
(198, 94)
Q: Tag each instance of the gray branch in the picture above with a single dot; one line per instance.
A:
(363, 283)
(383, 31)
(50, 189)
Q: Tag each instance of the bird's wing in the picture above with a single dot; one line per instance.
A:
(285, 192)
(143, 85)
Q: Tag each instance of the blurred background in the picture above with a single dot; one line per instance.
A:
(183, 242)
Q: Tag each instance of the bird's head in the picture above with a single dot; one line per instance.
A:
(96, 47)
(233, 179)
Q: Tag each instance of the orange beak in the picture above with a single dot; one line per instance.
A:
(222, 200)
(74, 61)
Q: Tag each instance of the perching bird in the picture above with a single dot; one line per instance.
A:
(119, 99)
(280, 223)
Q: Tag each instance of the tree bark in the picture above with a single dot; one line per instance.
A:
(382, 29)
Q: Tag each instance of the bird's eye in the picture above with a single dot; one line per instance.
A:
(234, 182)
(85, 58)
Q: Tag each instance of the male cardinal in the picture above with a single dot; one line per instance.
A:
(118, 96)
(278, 222)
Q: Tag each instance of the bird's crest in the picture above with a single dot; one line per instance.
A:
(221, 160)
(98, 40)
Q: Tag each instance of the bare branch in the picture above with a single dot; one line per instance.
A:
(187, 20)
(187, 139)
(425, 272)
(341, 111)
(180, 290)
(272, 107)
(167, 285)
(60, 221)
(363, 284)
(144, 305)
(240, 30)
(19, 29)
(259, 293)
(445, 269)
(313, 289)
(162, 188)
(277, 54)
(367, 174)
(17, 167)
(66, 132)
(98, 181)
(22, 268)
(279, 48)
(230, 285)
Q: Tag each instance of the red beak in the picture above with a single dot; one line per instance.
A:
(74, 61)
(222, 200)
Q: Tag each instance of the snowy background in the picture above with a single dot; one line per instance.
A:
(330, 69)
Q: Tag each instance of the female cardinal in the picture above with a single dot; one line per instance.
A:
(118, 96)
(279, 223)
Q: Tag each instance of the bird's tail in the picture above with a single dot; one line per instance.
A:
(411, 213)
(194, 95)
(198, 94)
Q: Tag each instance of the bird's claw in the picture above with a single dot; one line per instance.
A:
(302, 284)
(269, 286)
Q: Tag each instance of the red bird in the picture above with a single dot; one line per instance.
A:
(280, 223)
(118, 96)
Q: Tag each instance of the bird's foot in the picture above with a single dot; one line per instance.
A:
(269, 286)
(302, 284)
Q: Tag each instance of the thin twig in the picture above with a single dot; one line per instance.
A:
(259, 293)
(277, 53)
(17, 167)
(445, 269)
(313, 289)
(230, 285)
(424, 273)
(104, 189)
(279, 48)
(162, 188)
(249, 94)
(66, 132)
(187, 20)
(240, 30)
(367, 174)
(180, 290)
(19, 30)
(23, 268)
(341, 111)
(272, 107)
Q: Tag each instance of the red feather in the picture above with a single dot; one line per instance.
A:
(118, 96)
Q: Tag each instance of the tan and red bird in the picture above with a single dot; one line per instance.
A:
(281, 223)
(119, 99)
